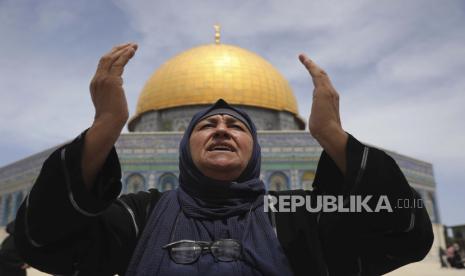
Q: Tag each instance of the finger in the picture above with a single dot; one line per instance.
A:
(117, 67)
(117, 47)
(319, 76)
(108, 59)
(116, 56)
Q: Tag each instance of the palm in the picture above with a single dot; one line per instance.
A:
(106, 87)
(324, 115)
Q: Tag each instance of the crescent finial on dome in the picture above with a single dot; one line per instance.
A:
(217, 33)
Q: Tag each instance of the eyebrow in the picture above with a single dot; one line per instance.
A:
(229, 120)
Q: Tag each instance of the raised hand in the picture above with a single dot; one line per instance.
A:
(325, 122)
(111, 110)
(106, 87)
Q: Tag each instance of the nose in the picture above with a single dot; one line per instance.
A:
(221, 131)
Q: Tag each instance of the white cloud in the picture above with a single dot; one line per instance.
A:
(426, 61)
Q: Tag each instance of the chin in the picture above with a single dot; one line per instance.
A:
(222, 166)
(222, 162)
(224, 171)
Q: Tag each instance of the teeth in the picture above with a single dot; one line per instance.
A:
(222, 148)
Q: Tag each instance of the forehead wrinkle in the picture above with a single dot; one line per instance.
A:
(210, 119)
(231, 119)
(228, 119)
(225, 117)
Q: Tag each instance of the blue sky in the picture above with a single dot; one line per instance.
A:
(398, 66)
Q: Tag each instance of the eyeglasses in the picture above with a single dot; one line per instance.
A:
(187, 251)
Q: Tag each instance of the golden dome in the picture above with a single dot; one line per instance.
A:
(206, 73)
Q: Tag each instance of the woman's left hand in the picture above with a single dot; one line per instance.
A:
(325, 122)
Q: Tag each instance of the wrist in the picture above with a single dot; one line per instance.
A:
(117, 119)
(331, 136)
(107, 129)
(99, 140)
(110, 121)
(334, 143)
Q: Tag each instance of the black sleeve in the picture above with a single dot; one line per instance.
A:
(10, 261)
(63, 228)
(372, 243)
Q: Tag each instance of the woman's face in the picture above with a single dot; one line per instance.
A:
(221, 147)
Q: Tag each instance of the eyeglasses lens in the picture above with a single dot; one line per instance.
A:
(226, 250)
(185, 252)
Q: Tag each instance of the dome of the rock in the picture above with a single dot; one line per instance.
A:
(202, 75)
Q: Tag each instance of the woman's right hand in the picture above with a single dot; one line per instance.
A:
(106, 87)
(111, 110)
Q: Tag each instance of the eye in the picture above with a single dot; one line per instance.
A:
(237, 127)
(206, 126)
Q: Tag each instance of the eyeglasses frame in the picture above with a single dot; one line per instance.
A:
(205, 247)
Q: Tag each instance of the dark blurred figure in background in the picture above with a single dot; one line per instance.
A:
(453, 256)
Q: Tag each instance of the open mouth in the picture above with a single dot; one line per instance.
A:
(221, 147)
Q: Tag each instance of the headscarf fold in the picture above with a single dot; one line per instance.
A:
(205, 209)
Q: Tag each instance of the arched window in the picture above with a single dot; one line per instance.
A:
(167, 181)
(307, 180)
(135, 183)
(278, 182)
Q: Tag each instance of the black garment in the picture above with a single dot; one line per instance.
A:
(11, 264)
(62, 228)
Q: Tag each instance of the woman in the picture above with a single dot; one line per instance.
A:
(214, 223)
